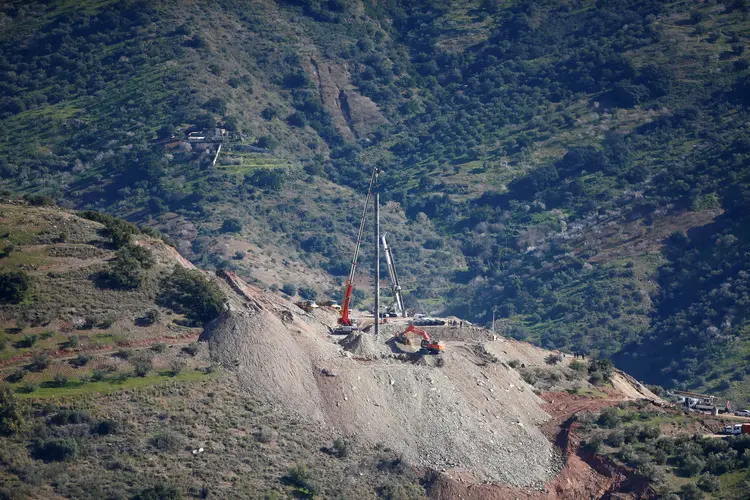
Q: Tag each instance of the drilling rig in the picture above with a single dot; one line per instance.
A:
(347, 325)
(395, 310)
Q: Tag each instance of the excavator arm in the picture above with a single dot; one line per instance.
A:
(428, 343)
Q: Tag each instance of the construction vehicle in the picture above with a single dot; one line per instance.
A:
(429, 344)
(307, 305)
(737, 429)
(395, 310)
(347, 325)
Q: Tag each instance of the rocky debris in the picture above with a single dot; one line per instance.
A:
(363, 346)
(436, 417)
(461, 410)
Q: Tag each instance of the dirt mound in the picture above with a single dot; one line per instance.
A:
(269, 361)
(363, 346)
(459, 415)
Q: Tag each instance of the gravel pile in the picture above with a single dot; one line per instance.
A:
(464, 413)
(363, 346)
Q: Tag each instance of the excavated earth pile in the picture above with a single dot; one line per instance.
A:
(469, 414)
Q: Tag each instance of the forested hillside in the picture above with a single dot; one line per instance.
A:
(580, 167)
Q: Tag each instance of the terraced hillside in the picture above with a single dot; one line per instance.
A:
(129, 374)
(579, 167)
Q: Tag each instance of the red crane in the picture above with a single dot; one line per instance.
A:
(346, 324)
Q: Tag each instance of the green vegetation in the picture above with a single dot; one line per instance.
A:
(683, 464)
(11, 414)
(127, 270)
(536, 155)
(189, 293)
(15, 286)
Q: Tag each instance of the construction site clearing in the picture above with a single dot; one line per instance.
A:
(465, 412)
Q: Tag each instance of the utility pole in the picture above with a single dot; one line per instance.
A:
(493, 321)
(377, 257)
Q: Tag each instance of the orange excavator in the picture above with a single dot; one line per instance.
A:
(428, 343)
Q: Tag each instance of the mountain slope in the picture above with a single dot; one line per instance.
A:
(108, 392)
(536, 155)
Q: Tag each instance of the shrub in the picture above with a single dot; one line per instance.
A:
(142, 365)
(231, 225)
(660, 457)
(98, 375)
(54, 449)
(11, 412)
(27, 388)
(39, 200)
(690, 491)
(38, 363)
(289, 289)
(609, 418)
(593, 444)
(159, 347)
(119, 231)
(68, 416)
(191, 348)
(553, 359)
(176, 366)
(578, 366)
(265, 435)
(596, 378)
(615, 438)
(59, 380)
(81, 360)
(105, 427)
(650, 472)
(604, 366)
(239, 255)
(72, 342)
(709, 482)
(108, 321)
(649, 432)
(692, 465)
(300, 477)
(396, 490)
(124, 273)
(142, 255)
(166, 441)
(15, 286)
(149, 318)
(307, 293)
(341, 448)
(514, 363)
(27, 341)
(159, 492)
(123, 354)
(631, 433)
(16, 376)
(188, 292)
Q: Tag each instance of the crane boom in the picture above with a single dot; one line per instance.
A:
(398, 301)
(344, 320)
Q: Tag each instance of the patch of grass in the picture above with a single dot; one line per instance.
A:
(77, 388)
